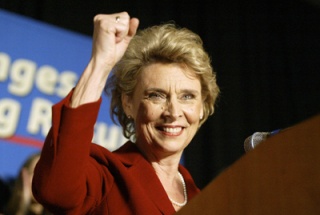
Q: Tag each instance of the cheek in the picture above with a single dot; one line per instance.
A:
(193, 113)
(147, 113)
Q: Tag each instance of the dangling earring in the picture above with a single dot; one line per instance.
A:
(201, 117)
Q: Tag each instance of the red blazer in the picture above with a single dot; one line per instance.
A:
(75, 176)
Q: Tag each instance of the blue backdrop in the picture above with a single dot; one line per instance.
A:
(39, 64)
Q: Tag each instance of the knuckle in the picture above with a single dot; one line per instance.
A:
(97, 18)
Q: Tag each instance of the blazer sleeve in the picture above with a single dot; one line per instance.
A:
(66, 178)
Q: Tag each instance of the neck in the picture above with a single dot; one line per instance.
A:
(166, 172)
(166, 161)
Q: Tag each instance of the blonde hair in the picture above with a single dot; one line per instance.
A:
(16, 203)
(164, 43)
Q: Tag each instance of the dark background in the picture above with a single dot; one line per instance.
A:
(265, 52)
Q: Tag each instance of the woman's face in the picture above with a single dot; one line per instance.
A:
(166, 107)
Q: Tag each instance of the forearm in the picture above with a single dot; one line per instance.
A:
(91, 84)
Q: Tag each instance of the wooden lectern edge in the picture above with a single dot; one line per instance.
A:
(275, 163)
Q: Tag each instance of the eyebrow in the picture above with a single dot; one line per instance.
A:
(191, 91)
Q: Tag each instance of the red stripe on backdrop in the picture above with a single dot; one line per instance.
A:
(25, 141)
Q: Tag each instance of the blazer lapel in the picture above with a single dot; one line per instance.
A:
(145, 175)
(148, 179)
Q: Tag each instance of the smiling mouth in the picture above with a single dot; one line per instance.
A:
(170, 130)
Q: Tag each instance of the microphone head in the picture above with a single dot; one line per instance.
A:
(252, 141)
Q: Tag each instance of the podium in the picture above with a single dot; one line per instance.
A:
(279, 176)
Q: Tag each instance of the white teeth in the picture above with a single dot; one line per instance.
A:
(172, 130)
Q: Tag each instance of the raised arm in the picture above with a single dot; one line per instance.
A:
(66, 177)
(112, 34)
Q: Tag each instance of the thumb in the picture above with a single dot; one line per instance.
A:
(133, 26)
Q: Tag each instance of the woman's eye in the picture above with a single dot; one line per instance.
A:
(155, 96)
(187, 96)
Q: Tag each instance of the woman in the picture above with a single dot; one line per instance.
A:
(21, 200)
(163, 88)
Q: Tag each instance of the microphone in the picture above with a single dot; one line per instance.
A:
(256, 138)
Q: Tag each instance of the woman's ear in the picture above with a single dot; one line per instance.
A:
(126, 104)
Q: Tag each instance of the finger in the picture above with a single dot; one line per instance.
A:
(122, 17)
(122, 25)
(133, 26)
(128, 31)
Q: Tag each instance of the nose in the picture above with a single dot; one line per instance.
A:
(173, 109)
